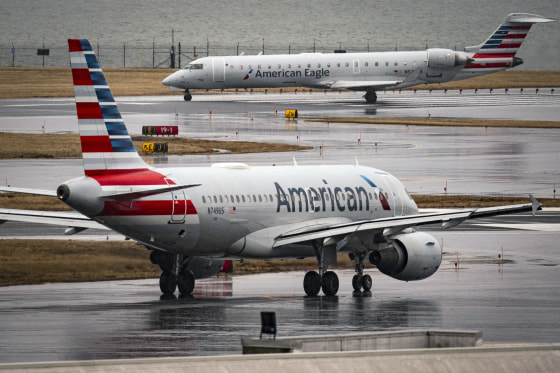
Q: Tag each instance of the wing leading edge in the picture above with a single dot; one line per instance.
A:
(394, 225)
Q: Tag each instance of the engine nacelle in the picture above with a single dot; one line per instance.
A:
(412, 256)
(204, 268)
(446, 58)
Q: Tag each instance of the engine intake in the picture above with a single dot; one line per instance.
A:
(412, 256)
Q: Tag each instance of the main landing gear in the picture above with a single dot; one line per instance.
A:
(174, 273)
(360, 281)
(187, 95)
(314, 281)
(371, 97)
(325, 280)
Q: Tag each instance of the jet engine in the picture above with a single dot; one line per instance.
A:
(446, 58)
(411, 256)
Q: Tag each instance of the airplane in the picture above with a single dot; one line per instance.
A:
(369, 72)
(194, 219)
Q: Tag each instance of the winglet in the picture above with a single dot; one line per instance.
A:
(536, 204)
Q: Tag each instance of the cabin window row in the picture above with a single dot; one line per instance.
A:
(269, 198)
(319, 65)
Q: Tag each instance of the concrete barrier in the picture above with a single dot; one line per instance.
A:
(365, 341)
(492, 359)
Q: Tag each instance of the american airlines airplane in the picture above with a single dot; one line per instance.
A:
(369, 72)
(194, 219)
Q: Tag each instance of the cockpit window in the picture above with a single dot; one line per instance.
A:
(194, 66)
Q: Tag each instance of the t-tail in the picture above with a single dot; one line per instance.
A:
(106, 145)
(499, 51)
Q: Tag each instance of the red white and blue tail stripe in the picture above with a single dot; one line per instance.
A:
(499, 50)
(106, 145)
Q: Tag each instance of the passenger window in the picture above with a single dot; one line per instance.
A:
(366, 64)
(260, 198)
(215, 199)
(376, 63)
(203, 199)
(289, 66)
(338, 64)
(243, 198)
(221, 199)
(347, 64)
(279, 66)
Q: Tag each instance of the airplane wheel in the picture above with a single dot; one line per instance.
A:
(330, 283)
(185, 282)
(357, 282)
(187, 97)
(167, 282)
(312, 283)
(371, 97)
(366, 282)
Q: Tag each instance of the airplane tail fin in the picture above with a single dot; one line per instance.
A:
(499, 50)
(106, 145)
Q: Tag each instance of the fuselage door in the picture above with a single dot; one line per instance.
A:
(179, 204)
(219, 67)
(356, 66)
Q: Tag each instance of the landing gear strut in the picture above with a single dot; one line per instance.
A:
(187, 95)
(360, 281)
(313, 282)
(371, 97)
(174, 274)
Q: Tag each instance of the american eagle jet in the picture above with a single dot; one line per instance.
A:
(368, 72)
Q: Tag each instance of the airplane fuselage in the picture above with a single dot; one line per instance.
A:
(321, 70)
(237, 200)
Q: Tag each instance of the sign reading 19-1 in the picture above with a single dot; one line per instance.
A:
(160, 130)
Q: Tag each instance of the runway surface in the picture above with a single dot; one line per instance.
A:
(515, 301)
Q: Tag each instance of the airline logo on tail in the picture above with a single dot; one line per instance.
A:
(499, 50)
(106, 144)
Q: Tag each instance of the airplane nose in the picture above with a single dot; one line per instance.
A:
(166, 81)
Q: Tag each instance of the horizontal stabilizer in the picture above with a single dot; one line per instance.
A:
(63, 218)
(38, 192)
(127, 196)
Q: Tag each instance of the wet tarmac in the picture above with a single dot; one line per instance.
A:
(515, 301)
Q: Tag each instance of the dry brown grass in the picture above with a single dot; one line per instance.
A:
(29, 82)
(40, 261)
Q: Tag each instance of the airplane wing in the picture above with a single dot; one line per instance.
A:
(393, 225)
(76, 222)
(361, 84)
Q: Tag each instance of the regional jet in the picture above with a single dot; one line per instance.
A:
(368, 72)
(194, 219)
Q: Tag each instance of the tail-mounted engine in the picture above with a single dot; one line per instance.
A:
(446, 58)
(411, 256)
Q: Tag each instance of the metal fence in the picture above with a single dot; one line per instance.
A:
(144, 56)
